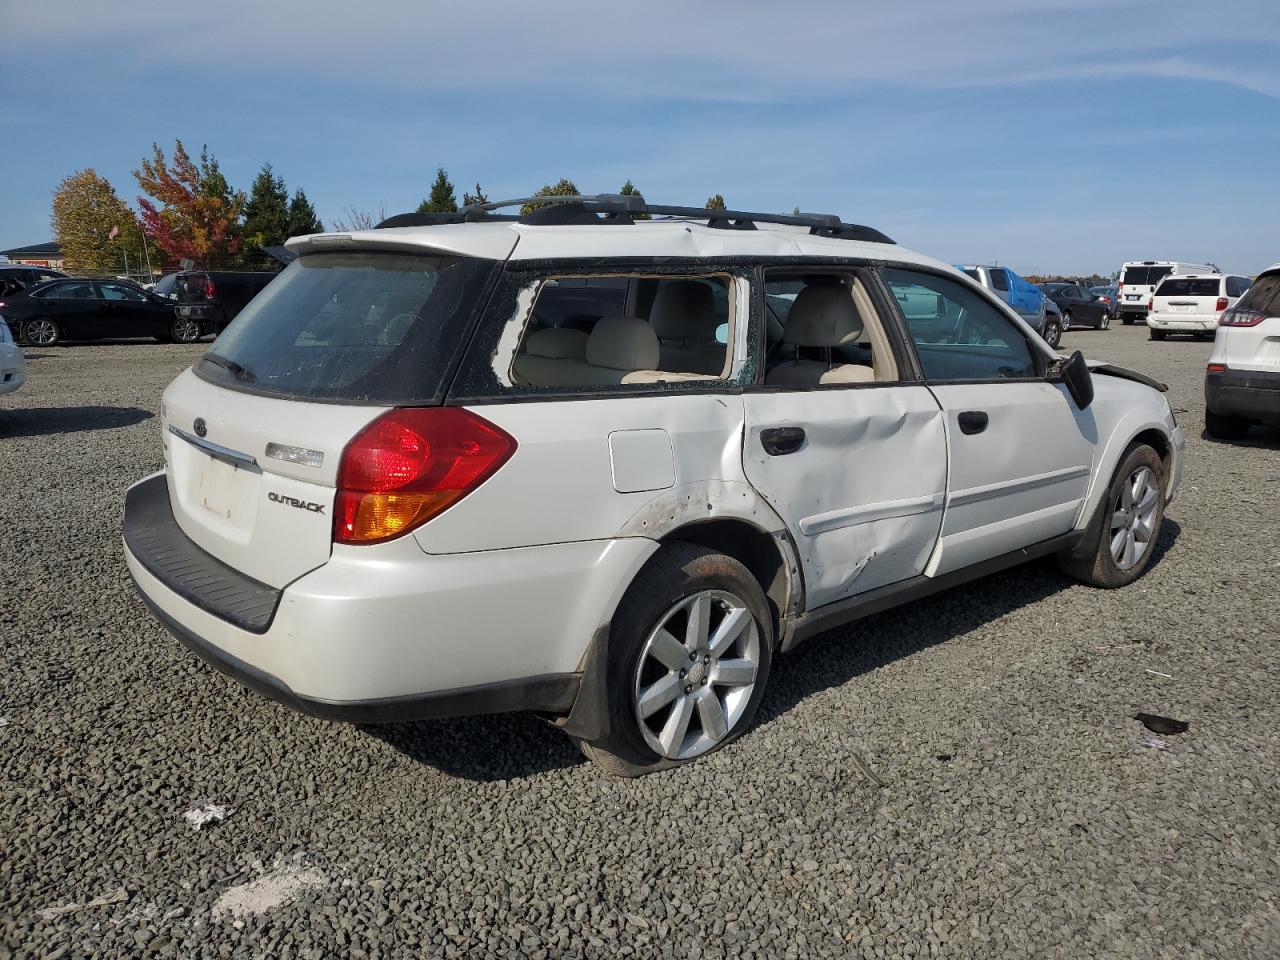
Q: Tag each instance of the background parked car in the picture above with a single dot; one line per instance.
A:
(1242, 381)
(1079, 307)
(166, 286)
(1024, 297)
(210, 299)
(1193, 303)
(59, 310)
(1110, 296)
(1139, 279)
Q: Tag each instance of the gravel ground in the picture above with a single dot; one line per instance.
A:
(1023, 812)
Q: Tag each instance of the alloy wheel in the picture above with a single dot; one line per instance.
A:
(186, 331)
(696, 674)
(1066, 321)
(1133, 517)
(42, 333)
(1105, 322)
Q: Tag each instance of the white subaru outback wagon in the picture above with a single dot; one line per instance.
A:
(605, 466)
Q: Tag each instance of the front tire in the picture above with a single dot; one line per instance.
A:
(42, 332)
(1224, 426)
(1133, 513)
(689, 654)
(184, 330)
(1052, 332)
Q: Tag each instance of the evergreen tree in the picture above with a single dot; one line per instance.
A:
(715, 203)
(302, 216)
(564, 188)
(629, 190)
(441, 199)
(469, 199)
(266, 214)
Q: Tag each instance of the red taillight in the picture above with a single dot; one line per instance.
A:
(1216, 368)
(1151, 303)
(410, 465)
(210, 291)
(1221, 304)
(1235, 317)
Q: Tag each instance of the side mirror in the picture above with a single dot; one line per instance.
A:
(1074, 372)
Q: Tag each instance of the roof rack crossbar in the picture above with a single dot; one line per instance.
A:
(622, 208)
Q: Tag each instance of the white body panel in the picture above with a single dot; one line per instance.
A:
(13, 368)
(390, 621)
(863, 497)
(1020, 480)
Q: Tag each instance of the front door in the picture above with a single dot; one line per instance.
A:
(1020, 451)
(849, 453)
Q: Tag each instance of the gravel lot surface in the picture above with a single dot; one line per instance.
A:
(1023, 812)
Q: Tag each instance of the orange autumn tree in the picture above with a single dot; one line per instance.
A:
(192, 212)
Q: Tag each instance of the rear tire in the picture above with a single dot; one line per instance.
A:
(1066, 321)
(1133, 513)
(1105, 322)
(42, 332)
(1157, 334)
(689, 654)
(1127, 321)
(1224, 426)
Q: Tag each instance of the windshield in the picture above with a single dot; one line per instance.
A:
(1144, 275)
(360, 327)
(1184, 287)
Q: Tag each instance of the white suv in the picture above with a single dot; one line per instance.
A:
(604, 467)
(1192, 303)
(1242, 382)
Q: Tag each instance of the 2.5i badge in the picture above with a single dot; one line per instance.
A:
(310, 505)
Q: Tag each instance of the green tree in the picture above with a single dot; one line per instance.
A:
(192, 212)
(470, 199)
(441, 198)
(266, 214)
(629, 190)
(96, 229)
(563, 188)
(715, 203)
(302, 216)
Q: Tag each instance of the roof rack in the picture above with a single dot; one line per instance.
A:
(623, 210)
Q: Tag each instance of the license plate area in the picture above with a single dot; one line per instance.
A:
(226, 490)
(1133, 296)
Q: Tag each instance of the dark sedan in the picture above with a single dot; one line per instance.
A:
(72, 309)
(1079, 307)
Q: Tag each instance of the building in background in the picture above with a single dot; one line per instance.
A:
(37, 255)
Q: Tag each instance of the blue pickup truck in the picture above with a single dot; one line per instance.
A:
(1027, 300)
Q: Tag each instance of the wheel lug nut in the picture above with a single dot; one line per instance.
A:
(683, 673)
(704, 681)
(706, 659)
(692, 657)
(688, 688)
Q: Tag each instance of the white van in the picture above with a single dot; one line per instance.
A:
(1192, 303)
(1139, 279)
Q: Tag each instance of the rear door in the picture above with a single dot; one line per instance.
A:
(857, 471)
(1020, 452)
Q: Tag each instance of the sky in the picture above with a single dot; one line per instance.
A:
(1054, 136)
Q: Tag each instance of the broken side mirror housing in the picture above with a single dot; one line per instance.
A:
(1074, 372)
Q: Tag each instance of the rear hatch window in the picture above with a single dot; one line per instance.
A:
(353, 327)
(1263, 296)
(1186, 287)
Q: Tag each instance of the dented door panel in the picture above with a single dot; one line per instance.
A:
(863, 495)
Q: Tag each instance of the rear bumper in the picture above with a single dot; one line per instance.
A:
(1254, 394)
(1183, 322)
(378, 635)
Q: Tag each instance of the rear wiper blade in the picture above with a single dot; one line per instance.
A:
(237, 370)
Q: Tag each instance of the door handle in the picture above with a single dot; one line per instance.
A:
(779, 441)
(973, 421)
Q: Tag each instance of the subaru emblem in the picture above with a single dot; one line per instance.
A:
(201, 427)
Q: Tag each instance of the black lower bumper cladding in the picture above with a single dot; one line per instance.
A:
(1254, 394)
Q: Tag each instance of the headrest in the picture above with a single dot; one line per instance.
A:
(823, 315)
(622, 343)
(557, 343)
(682, 310)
